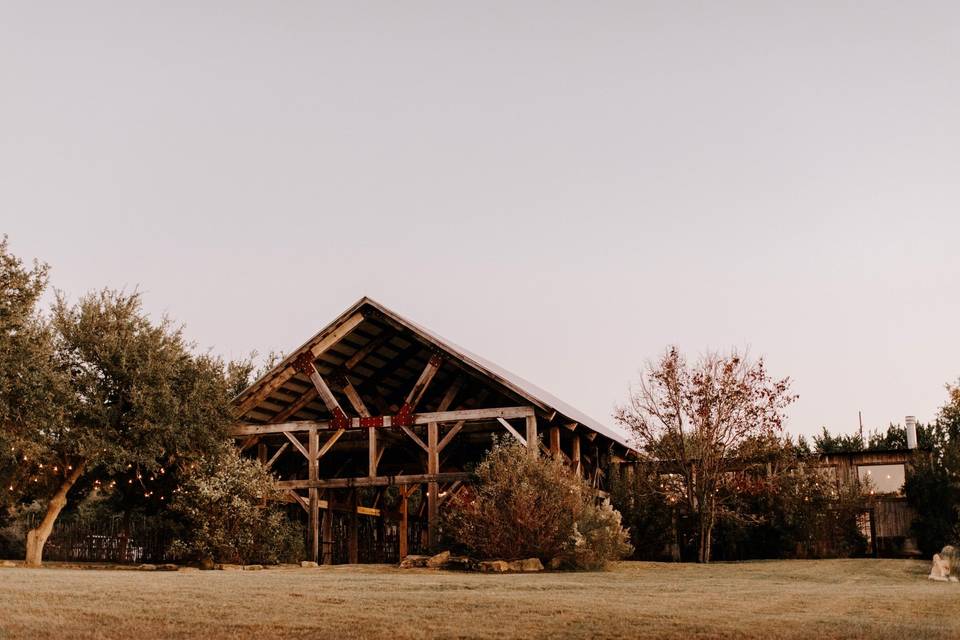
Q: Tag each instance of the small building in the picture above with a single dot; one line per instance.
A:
(375, 421)
(886, 518)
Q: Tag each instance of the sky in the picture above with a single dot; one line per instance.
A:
(565, 188)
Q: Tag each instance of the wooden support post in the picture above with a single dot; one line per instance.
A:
(532, 442)
(404, 495)
(262, 453)
(555, 442)
(328, 533)
(575, 457)
(353, 546)
(433, 488)
(314, 474)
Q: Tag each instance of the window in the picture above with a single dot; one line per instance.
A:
(879, 479)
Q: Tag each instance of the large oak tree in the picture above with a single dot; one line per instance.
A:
(95, 388)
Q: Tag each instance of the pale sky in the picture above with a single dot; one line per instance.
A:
(563, 188)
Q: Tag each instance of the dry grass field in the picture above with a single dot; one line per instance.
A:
(875, 599)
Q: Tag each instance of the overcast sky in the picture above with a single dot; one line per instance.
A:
(564, 188)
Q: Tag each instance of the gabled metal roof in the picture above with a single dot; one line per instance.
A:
(520, 386)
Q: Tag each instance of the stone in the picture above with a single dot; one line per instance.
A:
(206, 563)
(253, 567)
(167, 567)
(307, 564)
(413, 562)
(227, 567)
(494, 566)
(439, 560)
(526, 566)
(147, 567)
(7, 563)
(461, 563)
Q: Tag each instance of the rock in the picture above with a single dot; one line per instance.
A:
(307, 564)
(527, 566)
(227, 567)
(494, 566)
(8, 563)
(438, 560)
(206, 564)
(253, 567)
(413, 562)
(167, 567)
(462, 563)
(147, 567)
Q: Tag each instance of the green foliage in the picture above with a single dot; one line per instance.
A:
(840, 443)
(230, 513)
(524, 506)
(933, 487)
(648, 514)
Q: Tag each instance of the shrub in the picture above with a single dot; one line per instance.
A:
(531, 507)
(229, 513)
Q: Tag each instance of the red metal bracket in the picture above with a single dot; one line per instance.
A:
(304, 363)
(371, 422)
(403, 417)
(339, 419)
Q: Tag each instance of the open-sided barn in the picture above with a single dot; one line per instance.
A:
(376, 403)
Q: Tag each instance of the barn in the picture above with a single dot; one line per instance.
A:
(375, 421)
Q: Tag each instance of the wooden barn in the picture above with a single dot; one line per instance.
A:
(375, 421)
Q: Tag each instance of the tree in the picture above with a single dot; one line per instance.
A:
(232, 513)
(96, 390)
(698, 424)
(524, 506)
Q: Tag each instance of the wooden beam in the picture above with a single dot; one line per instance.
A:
(379, 481)
(532, 440)
(277, 454)
(313, 473)
(369, 348)
(281, 375)
(454, 430)
(514, 432)
(353, 526)
(470, 415)
(420, 386)
(332, 440)
(404, 548)
(323, 390)
(305, 398)
(296, 442)
(451, 394)
(555, 441)
(413, 436)
(433, 488)
(575, 451)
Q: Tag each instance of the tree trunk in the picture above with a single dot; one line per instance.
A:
(37, 537)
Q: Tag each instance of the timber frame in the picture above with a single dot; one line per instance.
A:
(374, 401)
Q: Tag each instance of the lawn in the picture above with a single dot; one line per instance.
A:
(876, 599)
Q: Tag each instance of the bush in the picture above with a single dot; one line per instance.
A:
(230, 514)
(531, 507)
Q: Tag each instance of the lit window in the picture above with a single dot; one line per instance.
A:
(881, 478)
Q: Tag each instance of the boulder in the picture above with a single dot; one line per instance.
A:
(307, 564)
(253, 567)
(413, 562)
(167, 567)
(206, 564)
(529, 565)
(7, 563)
(461, 563)
(494, 566)
(439, 560)
(147, 567)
